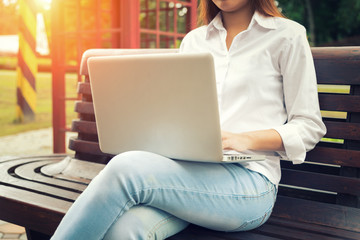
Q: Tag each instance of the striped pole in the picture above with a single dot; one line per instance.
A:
(27, 62)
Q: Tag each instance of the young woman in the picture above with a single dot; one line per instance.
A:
(268, 105)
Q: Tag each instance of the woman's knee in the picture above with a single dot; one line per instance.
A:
(135, 162)
(125, 162)
(131, 158)
(135, 169)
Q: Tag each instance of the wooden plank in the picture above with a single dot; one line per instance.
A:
(342, 157)
(323, 230)
(337, 71)
(339, 102)
(84, 107)
(6, 178)
(93, 158)
(198, 233)
(311, 167)
(194, 236)
(34, 235)
(320, 181)
(27, 172)
(84, 88)
(87, 127)
(347, 53)
(291, 233)
(31, 210)
(88, 137)
(312, 212)
(73, 170)
(56, 157)
(85, 146)
(304, 193)
(343, 130)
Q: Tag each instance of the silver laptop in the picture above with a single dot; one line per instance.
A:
(161, 103)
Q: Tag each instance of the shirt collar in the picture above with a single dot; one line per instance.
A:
(264, 21)
(261, 20)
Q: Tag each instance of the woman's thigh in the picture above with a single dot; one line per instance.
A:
(145, 222)
(225, 197)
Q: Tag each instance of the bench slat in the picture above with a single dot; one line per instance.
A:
(84, 88)
(289, 233)
(347, 53)
(84, 107)
(198, 233)
(86, 147)
(81, 126)
(337, 71)
(321, 181)
(343, 157)
(8, 179)
(339, 102)
(38, 212)
(31, 209)
(312, 212)
(275, 228)
(312, 167)
(343, 130)
(27, 172)
(324, 230)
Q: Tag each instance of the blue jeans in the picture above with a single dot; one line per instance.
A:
(141, 195)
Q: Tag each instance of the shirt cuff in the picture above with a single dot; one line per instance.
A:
(295, 150)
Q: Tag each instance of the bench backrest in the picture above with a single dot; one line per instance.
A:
(331, 171)
(333, 166)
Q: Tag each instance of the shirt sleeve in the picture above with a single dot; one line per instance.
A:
(304, 127)
(184, 44)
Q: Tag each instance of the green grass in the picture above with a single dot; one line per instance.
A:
(43, 118)
(11, 61)
(8, 61)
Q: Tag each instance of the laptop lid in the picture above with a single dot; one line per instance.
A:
(162, 103)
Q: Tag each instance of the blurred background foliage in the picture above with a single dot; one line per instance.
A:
(328, 22)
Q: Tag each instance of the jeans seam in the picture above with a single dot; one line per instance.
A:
(267, 213)
(128, 203)
(237, 196)
(160, 224)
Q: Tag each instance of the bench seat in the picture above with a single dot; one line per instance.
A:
(42, 201)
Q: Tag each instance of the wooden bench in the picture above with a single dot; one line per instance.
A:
(317, 200)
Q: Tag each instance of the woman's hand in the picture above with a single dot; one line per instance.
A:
(239, 142)
(265, 140)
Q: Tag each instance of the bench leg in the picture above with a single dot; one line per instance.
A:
(33, 235)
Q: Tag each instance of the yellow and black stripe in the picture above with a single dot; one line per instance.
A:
(27, 62)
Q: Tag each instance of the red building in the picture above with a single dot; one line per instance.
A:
(78, 25)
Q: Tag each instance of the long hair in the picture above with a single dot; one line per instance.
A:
(208, 10)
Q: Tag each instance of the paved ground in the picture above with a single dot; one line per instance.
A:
(11, 231)
(37, 142)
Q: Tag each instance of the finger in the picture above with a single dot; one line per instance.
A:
(226, 145)
(225, 135)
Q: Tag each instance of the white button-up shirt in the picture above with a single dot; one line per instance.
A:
(266, 80)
